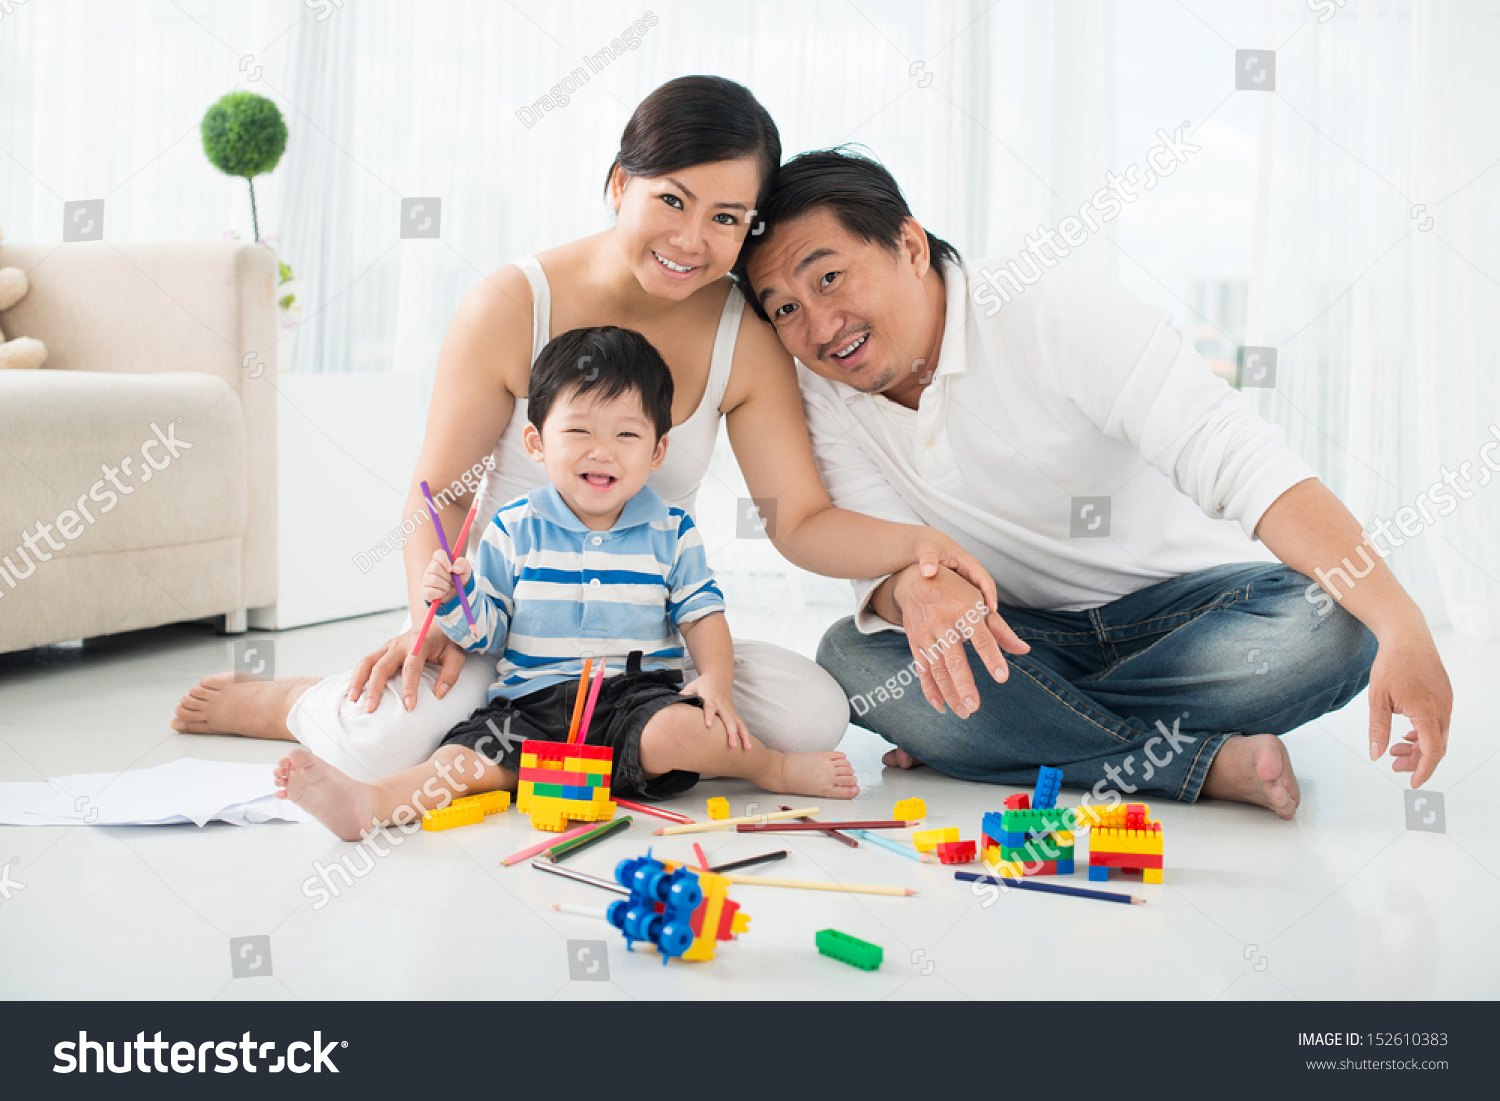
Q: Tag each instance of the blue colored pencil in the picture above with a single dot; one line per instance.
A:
(886, 843)
(1050, 888)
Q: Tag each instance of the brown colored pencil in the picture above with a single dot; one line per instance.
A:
(781, 827)
(835, 834)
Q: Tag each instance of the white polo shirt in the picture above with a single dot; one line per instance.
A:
(1074, 389)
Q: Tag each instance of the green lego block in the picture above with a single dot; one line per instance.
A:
(1040, 849)
(850, 950)
(1025, 821)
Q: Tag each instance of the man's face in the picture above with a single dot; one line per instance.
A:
(847, 308)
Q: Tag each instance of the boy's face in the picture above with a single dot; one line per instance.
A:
(598, 452)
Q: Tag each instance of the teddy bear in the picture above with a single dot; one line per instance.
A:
(23, 351)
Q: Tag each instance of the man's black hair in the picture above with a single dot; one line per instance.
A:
(859, 191)
(604, 360)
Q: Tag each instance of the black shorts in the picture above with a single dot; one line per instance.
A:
(626, 704)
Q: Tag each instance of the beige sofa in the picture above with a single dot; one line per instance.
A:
(139, 477)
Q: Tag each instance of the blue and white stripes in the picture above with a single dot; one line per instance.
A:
(547, 592)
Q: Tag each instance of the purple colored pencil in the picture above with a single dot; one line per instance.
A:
(443, 542)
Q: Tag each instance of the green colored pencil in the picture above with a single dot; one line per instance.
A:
(584, 840)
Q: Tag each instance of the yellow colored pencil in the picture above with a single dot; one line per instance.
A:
(730, 823)
(821, 885)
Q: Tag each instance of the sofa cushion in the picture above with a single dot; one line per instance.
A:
(111, 462)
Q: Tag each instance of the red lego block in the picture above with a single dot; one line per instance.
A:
(955, 852)
(1130, 862)
(1019, 801)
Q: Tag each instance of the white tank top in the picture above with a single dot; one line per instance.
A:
(677, 480)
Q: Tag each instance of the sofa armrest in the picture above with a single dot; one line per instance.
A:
(145, 307)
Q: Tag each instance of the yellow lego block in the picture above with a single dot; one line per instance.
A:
(590, 765)
(1107, 840)
(927, 840)
(528, 760)
(1095, 815)
(1151, 875)
(908, 809)
(489, 802)
(718, 807)
(452, 815)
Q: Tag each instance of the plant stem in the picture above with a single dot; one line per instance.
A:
(254, 220)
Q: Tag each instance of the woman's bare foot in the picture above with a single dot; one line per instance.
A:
(221, 704)
(341, 803)
(899, 758)
(1254, 769)
(826, 775)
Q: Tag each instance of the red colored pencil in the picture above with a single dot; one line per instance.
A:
(463, 534)
(698, 852)
(779, 827)
(659, 812)
(844, 837)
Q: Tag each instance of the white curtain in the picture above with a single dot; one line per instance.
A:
(1378, 278)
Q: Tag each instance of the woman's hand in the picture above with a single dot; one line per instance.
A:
(934, 549)
(376, 668)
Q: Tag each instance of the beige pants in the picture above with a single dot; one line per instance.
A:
(786, 700)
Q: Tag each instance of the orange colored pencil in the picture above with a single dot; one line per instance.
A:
(583, 687)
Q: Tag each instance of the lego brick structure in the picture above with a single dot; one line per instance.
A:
(683, 912)
(561, 783)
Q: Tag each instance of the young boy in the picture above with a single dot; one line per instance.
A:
(595, 565)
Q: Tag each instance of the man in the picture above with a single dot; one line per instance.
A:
(1113, 486)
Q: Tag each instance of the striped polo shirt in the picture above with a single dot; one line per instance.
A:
(546, 592)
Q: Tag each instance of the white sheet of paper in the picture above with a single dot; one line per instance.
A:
(185, 790)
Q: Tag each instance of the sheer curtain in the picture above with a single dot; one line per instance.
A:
(1378, 279)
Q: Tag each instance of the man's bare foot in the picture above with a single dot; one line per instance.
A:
(1254, 769)
(220, 704)
(340, 802)
(899, 758)
(826, 775)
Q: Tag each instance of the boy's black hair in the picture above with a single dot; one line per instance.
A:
(606, 360)
(859, 191)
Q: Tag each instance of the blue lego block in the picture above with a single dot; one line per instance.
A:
(1099, 875)
(660, 907)
(1048, 784)
(1065, 867)
(992, 824)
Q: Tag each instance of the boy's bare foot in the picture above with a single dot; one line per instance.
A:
(827, 775)
(899, 758)
(1254, 769)
(220, 704)
(340, 802)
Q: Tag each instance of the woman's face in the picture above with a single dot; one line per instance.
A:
(681, 231)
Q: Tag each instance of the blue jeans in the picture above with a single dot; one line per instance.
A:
(1137, 696)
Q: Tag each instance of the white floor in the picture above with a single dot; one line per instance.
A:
(1344, 902)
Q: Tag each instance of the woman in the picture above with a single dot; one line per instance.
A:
(694, 160)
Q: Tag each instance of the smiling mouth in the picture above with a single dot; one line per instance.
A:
(599, 481)
(853, 346)
(676, 269)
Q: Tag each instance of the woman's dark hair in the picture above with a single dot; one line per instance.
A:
(697, 120)
(608, 360)
(859, 191)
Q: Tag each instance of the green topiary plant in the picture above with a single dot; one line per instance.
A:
(244, 135)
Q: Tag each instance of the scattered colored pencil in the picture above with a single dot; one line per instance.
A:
(764, 858)
(531, 850)
(588, 708)
(820, 885)
(1049, 888)
(788, 827)
(443, 542)
(659, 812)
(894, 846)
(730, 823)
(698, 852)
(835, 834)
(463, 535)
(580, 911)
(577, 844)
(583, 687)
(578, 877)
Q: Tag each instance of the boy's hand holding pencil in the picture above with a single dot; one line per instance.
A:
(437, 582)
